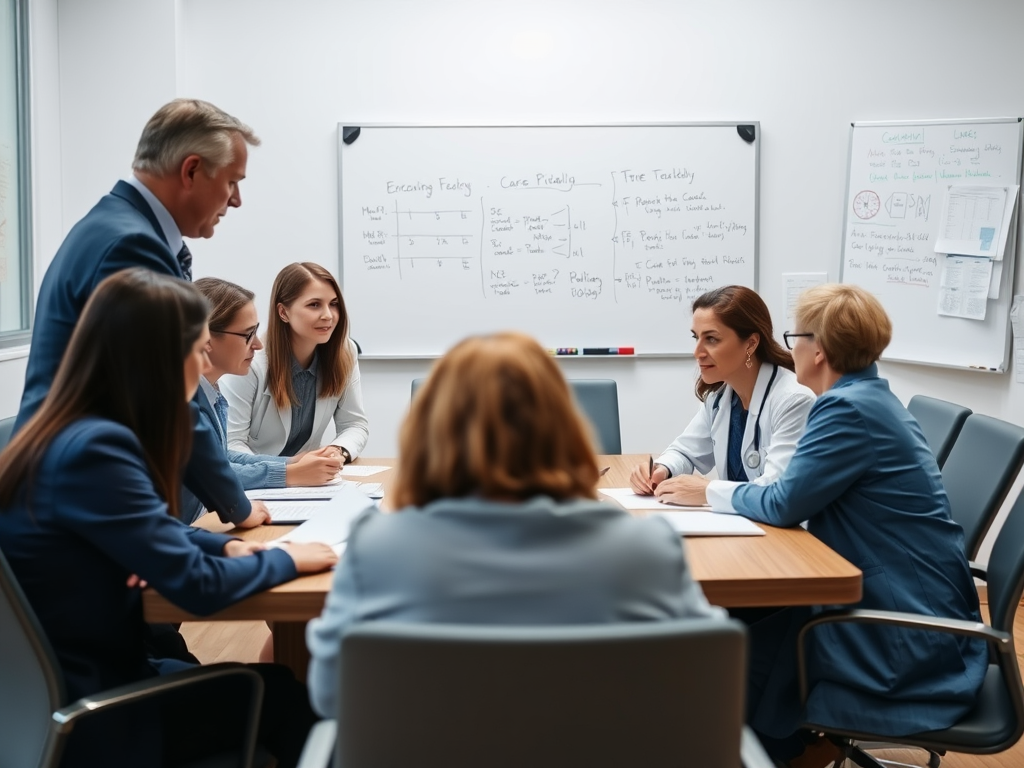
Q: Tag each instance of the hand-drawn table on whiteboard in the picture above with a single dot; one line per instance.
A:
(587, 236)
(899, 174)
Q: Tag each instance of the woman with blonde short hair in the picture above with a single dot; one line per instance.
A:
(307, 375)
(496, 489)
(868, 486)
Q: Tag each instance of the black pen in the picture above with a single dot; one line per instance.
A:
(650, 469)
(603, 472)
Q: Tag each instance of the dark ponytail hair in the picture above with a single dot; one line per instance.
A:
(742, 310)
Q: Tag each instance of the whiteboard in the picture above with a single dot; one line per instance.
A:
(584, 237)
(899, 173)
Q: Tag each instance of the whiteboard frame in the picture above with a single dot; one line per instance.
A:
(1011, 278)
(657, 124)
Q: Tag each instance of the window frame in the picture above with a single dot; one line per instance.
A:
(23, 178)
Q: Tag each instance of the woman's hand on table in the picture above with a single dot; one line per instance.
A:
(688, 490)
(311, 558)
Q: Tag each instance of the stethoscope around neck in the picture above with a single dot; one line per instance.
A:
(753, 458)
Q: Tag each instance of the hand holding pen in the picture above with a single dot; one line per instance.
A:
(645, 477)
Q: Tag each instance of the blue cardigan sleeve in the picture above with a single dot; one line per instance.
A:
(834, 452)
(100, 489)
(259, 471)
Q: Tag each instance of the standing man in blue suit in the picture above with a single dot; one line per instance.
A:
(187, 168)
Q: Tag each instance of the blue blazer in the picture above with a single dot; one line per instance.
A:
(121, 231)
(868, 485)
(94, 517)
(473, 561)
(252, 471)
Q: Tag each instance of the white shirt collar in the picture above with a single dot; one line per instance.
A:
(170, 228)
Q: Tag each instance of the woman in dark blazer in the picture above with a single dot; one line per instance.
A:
(89, 489)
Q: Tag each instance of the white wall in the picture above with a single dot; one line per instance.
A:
(805, 69)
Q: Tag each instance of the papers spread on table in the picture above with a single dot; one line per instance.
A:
(704, 523)
(629, 500)
(688, 521)
(362, 470)
(316, 492)
(329, 521)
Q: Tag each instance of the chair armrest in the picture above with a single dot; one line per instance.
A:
(978, 570)
(320, 745)
(1002, 642)
(66, 717)
(752, 754)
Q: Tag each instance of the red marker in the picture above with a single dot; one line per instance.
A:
(608, 351)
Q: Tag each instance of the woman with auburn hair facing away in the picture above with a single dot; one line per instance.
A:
(233, 344)
(868, 486)
(753, 409)
(307, 375)
(502, 497)
(89, 490)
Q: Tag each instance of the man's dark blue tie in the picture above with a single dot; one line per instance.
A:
(185, 260)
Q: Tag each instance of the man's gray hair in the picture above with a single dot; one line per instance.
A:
(186, 127)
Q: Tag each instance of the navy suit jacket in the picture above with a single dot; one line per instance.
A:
(93, 518)
(121, 231)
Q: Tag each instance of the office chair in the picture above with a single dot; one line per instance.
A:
(598, 399)
(940, 420)
(997, 721)
(6, 431)
(36, 719)
(981, 467)
(641, 695)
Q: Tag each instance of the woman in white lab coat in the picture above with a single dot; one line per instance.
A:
(753, 410)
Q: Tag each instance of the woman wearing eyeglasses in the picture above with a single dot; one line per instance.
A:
(753, 409)
(866, 483)
(88, 495)
(233, 344)
(307, 375)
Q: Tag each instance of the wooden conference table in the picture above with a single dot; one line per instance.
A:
(787, 566)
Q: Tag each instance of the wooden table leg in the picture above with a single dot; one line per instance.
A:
(290, 647)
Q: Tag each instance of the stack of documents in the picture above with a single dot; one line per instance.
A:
(688, 521)
(330, 521)
(296, 504)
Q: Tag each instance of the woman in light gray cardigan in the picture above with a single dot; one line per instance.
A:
(499, 521)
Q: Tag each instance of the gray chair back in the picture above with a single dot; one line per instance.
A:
(598, 399)
(6, 431)
(645, 694)
(941, 422)
(31, 689)
(977, 475)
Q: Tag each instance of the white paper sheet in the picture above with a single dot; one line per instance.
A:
(362, 470)
(973, 220)
(1017, 326)
(629, 500)
(313, 492)
(711, 524)
(331, 520)
(964, 286)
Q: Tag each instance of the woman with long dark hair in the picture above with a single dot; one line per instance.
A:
(307, 375)
(753, 410)
(89, 492)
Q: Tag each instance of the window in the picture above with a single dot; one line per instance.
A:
(15, 250)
